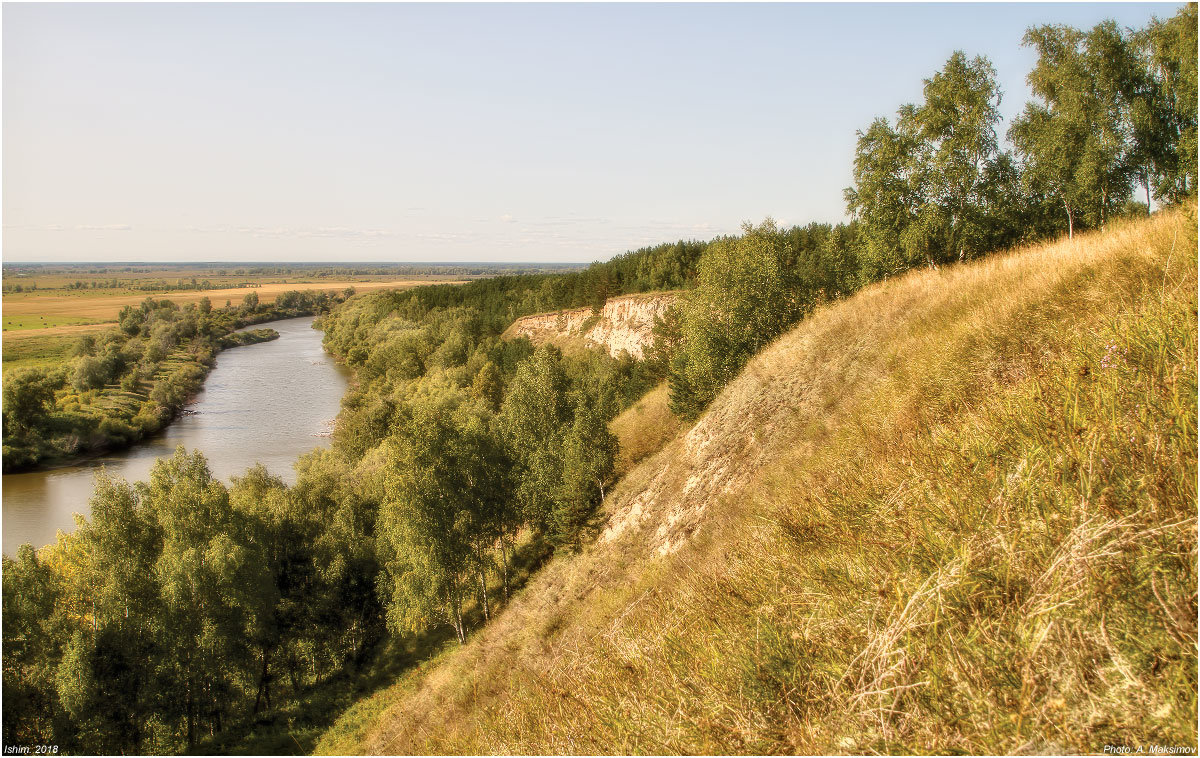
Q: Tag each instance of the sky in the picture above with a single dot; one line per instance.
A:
(459, 132)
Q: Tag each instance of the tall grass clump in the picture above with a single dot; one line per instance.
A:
(964, 520)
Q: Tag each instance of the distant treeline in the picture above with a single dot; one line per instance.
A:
(142, 285)
(315, 270)
(128, 382)
(184, 608)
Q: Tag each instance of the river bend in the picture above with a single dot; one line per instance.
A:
(267, 403)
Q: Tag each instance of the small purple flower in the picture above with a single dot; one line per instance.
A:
(1111, 352)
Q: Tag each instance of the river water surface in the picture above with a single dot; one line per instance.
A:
(267, 403)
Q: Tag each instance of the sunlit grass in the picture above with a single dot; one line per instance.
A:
(953, 513)
(34, 350)
(34, 321)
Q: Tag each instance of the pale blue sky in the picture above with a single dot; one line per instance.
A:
(458, 132)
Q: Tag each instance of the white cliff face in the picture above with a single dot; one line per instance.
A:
(624, 324)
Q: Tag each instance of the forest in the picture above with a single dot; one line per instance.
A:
(185, 609)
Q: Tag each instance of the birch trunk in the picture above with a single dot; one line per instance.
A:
(487, 613)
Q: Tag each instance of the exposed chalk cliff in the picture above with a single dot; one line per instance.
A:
(625, 324)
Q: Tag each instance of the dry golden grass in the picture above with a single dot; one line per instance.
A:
(71, 330)
(955, 513)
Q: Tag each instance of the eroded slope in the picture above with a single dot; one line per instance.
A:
(624, 324)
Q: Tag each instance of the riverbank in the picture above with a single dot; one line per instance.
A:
(130, 382)
(269, 403)
(234, 339)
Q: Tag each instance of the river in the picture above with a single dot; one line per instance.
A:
(267, 403)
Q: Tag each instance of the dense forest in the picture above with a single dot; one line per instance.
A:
(130, 381)
(184, 608)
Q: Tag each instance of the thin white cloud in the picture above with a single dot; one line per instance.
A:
(69, 228)
(279, 232)
(345, 233)
(570, 220)
(445, 236)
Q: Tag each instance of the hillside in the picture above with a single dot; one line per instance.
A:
(644, 428)
(955, 512)
(624, 324)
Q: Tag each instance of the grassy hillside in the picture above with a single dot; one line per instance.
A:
(955, 512)
(644, 428)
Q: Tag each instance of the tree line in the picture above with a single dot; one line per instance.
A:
(154, 285)
(306, 270)
(1112, 108)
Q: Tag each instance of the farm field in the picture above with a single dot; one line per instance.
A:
(42, 324)
(43, 309)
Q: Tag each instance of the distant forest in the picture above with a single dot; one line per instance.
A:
(148, 277)
(318, 269)
(184, 610)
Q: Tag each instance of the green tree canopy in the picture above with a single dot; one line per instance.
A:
(1075, 143)
(589, 455)
(929, 190)
(442, 489)
(28, 397)
(745, 297)
(533, 418)
(1166, 112)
